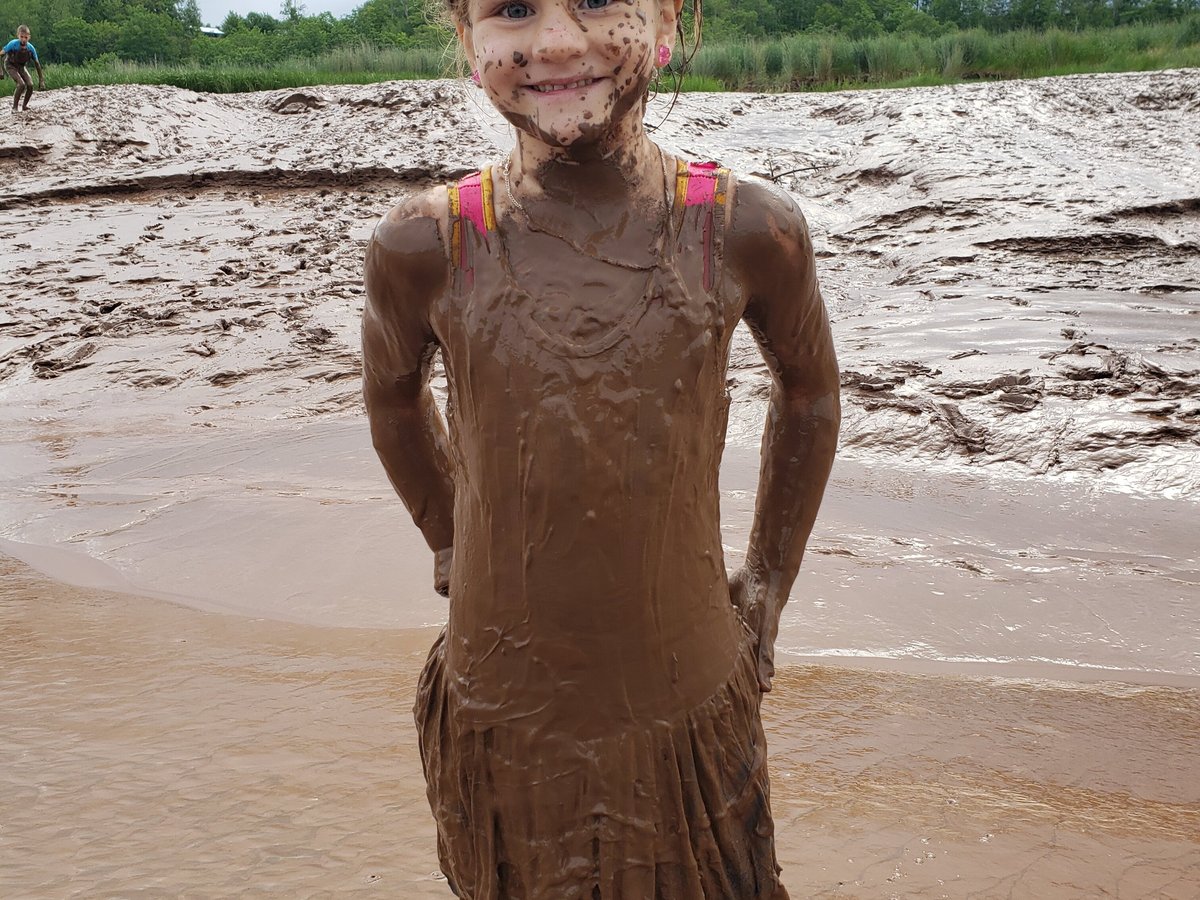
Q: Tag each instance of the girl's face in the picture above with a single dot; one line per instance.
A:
(567, 71)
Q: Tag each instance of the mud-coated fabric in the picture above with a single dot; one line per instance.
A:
(677, 809)
(20, 56)
(589, 720)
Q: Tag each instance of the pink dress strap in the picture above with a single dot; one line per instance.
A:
(701, 183)
(470, 201)
(704, 185)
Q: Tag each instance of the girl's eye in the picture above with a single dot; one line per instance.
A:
(515, 10)
(595, 4)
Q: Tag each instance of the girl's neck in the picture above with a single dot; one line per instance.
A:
(621, 169)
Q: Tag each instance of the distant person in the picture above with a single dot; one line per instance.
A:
(18, 53)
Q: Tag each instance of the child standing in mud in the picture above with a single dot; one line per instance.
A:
(16, 55)
(589, 718)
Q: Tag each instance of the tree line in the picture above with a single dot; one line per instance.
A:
(168, 31)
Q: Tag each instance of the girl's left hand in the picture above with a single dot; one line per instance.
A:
(760, 610)
(443, 560)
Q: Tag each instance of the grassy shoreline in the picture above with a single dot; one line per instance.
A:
(802, 62)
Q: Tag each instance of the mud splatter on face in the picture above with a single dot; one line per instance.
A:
(604, 46)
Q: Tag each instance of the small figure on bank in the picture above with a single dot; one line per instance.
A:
(17, 54)
(589, 719)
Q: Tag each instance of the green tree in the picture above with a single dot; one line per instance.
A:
(264, 23)
(150, 36)
(245, 47)
(377, 18)
(1035, 14)
(310, 36)
(105, 10)
(74, 40)
(854, 18)
(188, 14)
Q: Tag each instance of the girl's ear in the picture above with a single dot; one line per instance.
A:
(670, 12)
(465, 39)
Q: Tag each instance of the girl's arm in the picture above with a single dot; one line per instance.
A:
(772, 256)
(405, 273)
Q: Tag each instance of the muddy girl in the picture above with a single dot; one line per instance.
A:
(589, 719)
(16, 55)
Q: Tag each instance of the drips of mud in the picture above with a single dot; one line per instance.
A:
(152, 749)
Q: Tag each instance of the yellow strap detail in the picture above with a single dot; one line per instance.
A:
(681, 184)
(489, 213)
(722, 183)
(455, 225)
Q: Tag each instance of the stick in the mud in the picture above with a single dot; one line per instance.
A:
(16, 55)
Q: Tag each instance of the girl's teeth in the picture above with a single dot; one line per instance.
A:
(548, 88)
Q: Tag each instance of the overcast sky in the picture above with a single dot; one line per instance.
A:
(213, 12)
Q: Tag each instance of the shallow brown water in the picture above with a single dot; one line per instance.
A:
(153, 750)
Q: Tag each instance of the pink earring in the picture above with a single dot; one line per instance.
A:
(664, 55)
(475, 76)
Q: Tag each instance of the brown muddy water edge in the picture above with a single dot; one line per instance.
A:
(154, 750)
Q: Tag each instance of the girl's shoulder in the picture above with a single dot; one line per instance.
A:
(443, 206)
(768, 248)
(764, 217)
(407, 248)
(413, 216)
(758, 202)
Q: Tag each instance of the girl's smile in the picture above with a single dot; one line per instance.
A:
(558, 87)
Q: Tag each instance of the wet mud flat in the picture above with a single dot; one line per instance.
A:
(1016, 322)
(151, 748)
(1012, 268)
(1014, 283)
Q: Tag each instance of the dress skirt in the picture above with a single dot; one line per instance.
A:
(670, 809)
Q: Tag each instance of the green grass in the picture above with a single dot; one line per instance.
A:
(217, 81)
(819, 62)
(347, 65)
(792, 63)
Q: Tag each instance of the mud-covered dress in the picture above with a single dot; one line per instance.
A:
(589, 719)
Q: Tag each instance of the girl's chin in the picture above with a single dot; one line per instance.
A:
(567, 132)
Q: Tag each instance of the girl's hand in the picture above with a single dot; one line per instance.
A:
(442, 561)
(760, 610)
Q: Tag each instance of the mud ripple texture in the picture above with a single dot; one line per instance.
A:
(1013, 268)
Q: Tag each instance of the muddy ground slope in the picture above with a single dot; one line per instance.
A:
(1013, 268)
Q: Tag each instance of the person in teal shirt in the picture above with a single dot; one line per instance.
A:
(17, 54)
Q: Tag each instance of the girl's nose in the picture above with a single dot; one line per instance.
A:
(560, 38)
